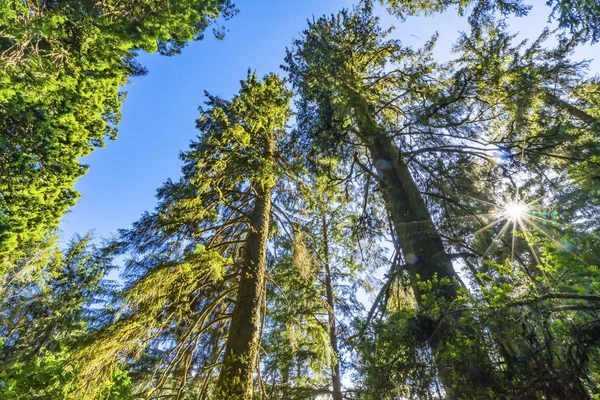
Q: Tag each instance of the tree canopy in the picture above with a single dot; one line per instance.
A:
(64, 67)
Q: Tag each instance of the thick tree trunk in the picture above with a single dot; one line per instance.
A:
(423, 250)
(422, 247)
(335, 368)
(236, 379)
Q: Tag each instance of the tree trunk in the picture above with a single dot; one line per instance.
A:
(423, 249)
(236, 378)
(424, 252)
(571, 109)
(335, 368)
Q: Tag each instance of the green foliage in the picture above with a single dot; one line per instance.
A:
(47, 308)
(446, 121)
(185, 259)
(396, 356)
(504, 122)
(63, 66)
(581, 18)
(168, 290)
(541, 334)
(295, 338)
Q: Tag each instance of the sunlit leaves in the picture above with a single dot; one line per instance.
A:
(64, 65)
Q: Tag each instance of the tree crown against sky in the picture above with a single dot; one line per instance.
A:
(578, 18)
(64, 65)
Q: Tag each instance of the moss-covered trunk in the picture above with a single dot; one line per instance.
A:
(236, 379)
(417, 235)
(335, 368)
(425, 256)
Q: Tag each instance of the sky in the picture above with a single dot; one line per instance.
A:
(161, 108)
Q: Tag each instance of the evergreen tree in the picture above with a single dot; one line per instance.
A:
(581, 18)
(513, 138)
(47, 308)
(196, 288)
(63, 67)
(359, 83)
(295, 338)
(316, 270)
(263, 118)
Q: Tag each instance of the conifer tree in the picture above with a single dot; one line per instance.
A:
(64, 64)
(312, 306)
(356, 84)
(345, 236)
(511, 114)
(197, 268)
(580, 18)
(263, 113)
(47, 308)
(295, 338)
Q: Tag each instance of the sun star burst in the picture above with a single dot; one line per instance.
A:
(515, 211)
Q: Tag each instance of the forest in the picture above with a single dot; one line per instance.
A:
(367, 222)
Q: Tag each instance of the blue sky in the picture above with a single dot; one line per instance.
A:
(160, 111)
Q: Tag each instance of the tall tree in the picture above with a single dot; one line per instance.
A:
(315, 274)
(197, 268)
(355, 84)
(510, 143)
(296, 352)
(262, 114)
(333, 333)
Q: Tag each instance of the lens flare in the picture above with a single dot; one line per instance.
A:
(515, 211)
(514, 215)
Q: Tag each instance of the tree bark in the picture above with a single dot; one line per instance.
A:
(335, 368)
(236, 378)
(571, 109)
(421, 245)
(425, 255)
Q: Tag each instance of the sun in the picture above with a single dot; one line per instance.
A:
(515, 211)
(513, 215)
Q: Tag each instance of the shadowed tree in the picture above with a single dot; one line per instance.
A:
(528, 115)
(354, 84)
